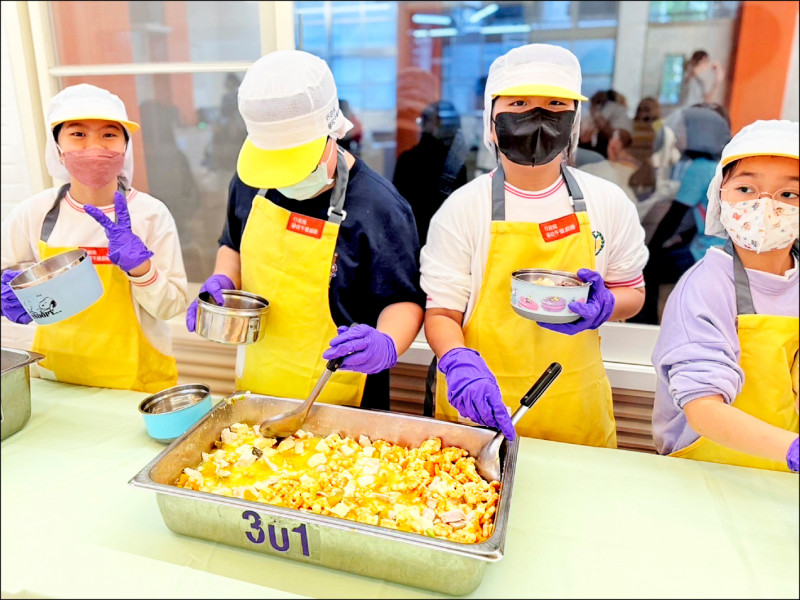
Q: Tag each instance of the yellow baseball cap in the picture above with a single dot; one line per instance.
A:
(290, 107)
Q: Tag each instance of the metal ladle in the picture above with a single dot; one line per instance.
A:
(488, 461)
(286, 424)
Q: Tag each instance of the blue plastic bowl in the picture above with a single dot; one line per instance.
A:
(169, 413)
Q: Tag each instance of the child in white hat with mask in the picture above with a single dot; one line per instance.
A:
(533, 211)
(121, 341)
(727, 354)
(319, 234)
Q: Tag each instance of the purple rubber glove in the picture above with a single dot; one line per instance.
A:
(214, 286)
(9, 303)
(366, 349)
(791, 456)
(473, 390)
(594, 312)
(125, 248)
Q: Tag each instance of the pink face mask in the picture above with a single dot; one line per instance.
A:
(94, 167)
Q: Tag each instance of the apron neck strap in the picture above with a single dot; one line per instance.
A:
(52, 215)
(741, 282)
(499, 192)
(336, 212)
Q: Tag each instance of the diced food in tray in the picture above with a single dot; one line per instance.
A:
(429, 490)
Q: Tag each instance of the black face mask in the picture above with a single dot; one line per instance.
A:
(534, 137)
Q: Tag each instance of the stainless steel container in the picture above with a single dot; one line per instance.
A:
(398, 556)
(170, 412)
(240, 320)
(15, 401)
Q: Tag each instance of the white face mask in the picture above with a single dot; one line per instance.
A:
(311, 185)
(760, 225)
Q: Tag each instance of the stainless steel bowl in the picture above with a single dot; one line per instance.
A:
(239, 321)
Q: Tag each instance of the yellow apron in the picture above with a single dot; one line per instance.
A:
(288, 259)
(104, 345)
(769, 346)
(577, 408)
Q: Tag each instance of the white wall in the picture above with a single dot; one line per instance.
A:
(15, 178)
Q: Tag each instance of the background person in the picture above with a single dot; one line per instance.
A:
(726, 355)
(121, 341)
(324, 238)
(426, 174)
(503, 221)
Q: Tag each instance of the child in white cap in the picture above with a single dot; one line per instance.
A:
(532, 211)
(727, 353)
(121, 341)
(319, 234)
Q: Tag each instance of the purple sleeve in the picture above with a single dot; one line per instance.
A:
(697, 352)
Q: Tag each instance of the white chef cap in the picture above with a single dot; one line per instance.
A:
(85, 101)
(761, 138)
(533, 70)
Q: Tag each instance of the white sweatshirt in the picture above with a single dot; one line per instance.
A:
(158, 295)
(453, 260)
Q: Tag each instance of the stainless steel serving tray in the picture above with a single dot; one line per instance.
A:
(15, 389)
(398, 556)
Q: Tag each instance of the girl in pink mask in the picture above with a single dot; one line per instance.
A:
(727, 354)
(122, 340)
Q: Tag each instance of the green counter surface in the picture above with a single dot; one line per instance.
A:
(584, 523)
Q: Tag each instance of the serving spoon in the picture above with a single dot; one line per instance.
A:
(488, 462)
(286, 424)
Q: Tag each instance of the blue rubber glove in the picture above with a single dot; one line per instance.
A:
(473, 390)
(594, 312)
(366, 349)
(125, 248)
(214, 286)
(791, 456)
(10, 305)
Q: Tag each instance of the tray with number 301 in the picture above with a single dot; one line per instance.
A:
(399, 556)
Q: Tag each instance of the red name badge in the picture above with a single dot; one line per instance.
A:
(560, 228)
(99, 256)
(305, 225)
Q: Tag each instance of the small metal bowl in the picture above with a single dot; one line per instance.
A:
(547, 303)
(239, 321)
(169, 413)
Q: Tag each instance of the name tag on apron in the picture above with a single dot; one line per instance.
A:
(99, 256)
(560, 228)
(305, 225)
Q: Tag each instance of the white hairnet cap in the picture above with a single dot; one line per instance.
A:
(761, 138)
(533, 70)
(290, 107)
(81, 102)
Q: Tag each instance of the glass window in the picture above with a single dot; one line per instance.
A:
(693, 10)
(141, 32)
(185, 152)
(671, 78)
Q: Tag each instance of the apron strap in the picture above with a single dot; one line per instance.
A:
(574, 190)
(336, 212)
(741, 282)
(499, 193)
(52, 215)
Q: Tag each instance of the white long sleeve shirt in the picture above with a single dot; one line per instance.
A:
(453, 260)
(158, 295)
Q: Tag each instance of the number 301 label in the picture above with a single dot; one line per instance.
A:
(280, 536)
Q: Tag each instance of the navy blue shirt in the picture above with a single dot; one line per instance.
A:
(377, 250)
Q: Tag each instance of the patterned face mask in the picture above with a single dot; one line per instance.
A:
(760, 225)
